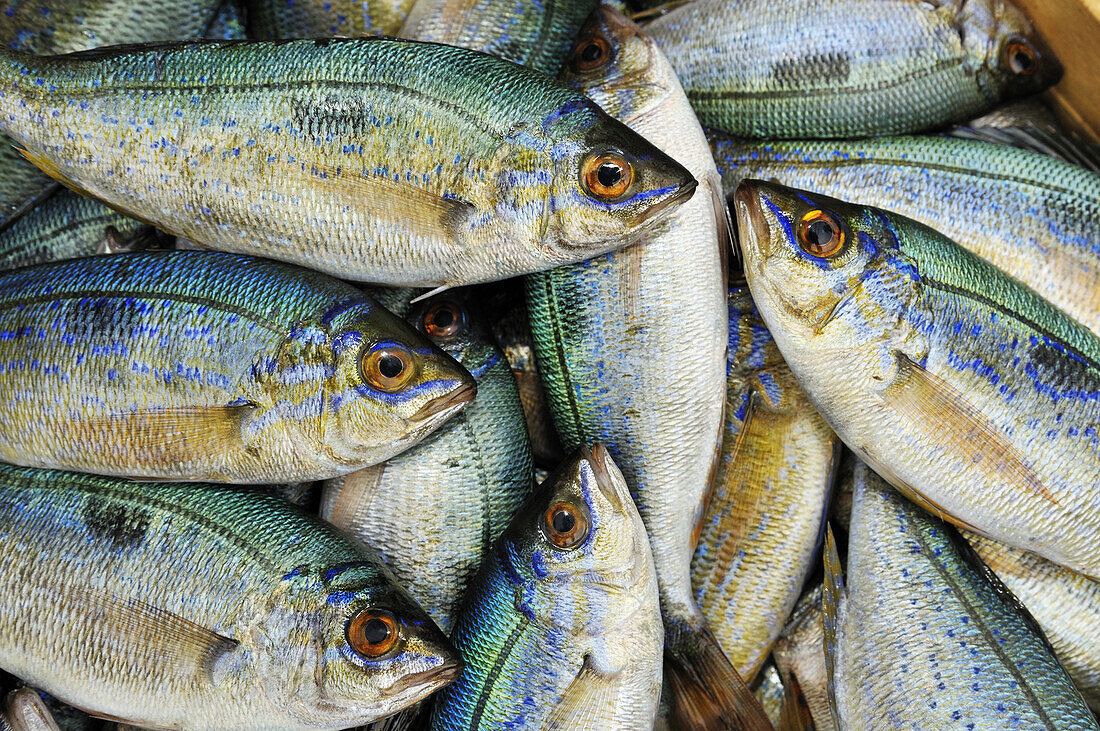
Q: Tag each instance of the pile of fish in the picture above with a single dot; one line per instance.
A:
(483, 364)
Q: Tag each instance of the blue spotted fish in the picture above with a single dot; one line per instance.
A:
(963, 388)
(924, 636)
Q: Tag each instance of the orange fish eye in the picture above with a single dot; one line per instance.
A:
(565, 525)
(388, 368)
(590, 54)
(607, 176)
(820, 234)
(1021, 58)
(444, 320)
(373, 632)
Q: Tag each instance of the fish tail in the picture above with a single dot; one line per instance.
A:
(708, 694)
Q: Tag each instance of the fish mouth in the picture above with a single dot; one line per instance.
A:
(598, 458)
(434, 679)
(454, 400)
(747, 196)
(683, 195)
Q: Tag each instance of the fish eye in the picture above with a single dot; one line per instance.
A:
(590, 54)
(1021, 58)
(820, 234)
(373, 633)
(444, 320)
(606, 176)
(565, 525)
(388, 368)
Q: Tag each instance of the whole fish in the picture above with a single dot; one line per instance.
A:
(832, 68)
(764, 520)
(1034, 217)
(468, 478)
(67, 225)
(1065, 604)
(203, 606)
(925, 636)
(370, 159)
(275, 19)
(610, 338)
(48, 27)
(202, 365)
(562, 629)
(537, 35)
(800, 656)
(959, 385)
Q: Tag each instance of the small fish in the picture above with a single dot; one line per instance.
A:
(962, 387)
(1036, 218)
(763, 522)
(330, 154)
(800, 656)
(562, 629)
(923, 635)
(66, 226)
(200, 365)
(203, 606)
(1065, 604)
(275, 19)
(853, 68)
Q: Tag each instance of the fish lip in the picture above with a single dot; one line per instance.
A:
(461, 396)
(748, 196)
(597, 457)
(683, 195)
(435, 678)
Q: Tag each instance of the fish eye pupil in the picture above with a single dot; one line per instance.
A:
(444, 318)
(609, 174)
(390, 366)
(820, 233)
(1023, 61)
(376, 631)
(563, 521)
(591, 52)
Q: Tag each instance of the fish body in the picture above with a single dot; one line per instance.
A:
(562, 628)
(201, 606)
(850, 68)
(1035, 217)
(372, 159)
(800, 657)
(275, 19)
(963, 388)
(922, 635)
(536, 35)
(1065, 604)
(202, 365)
(467, 479)
(631, 346)
(763, 522)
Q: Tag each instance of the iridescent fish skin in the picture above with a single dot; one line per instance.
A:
(538, 35)
(800, 656)
(203, 365)
(562, 637)
(201, 606)
(275, 19)
(963, 388)
(925, 636)
(466, 480)
(66, 226)
(1035, 217)
(762, 525)
(610, 335)
(1065, 604)
(332, 154)
(822, 68)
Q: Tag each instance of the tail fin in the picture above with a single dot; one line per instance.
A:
(708, 694)
(795, 714)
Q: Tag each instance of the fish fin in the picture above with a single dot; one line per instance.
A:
(589, 692)
(707, 691)
(657, 11)
(114, 242)
(429, 293)
(915, 393)
(794, 715)
(177, 434)
(1067, 147)
(726, 243)
(833, 597)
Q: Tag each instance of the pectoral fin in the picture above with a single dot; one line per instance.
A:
(168, 436)
(585, 698)
(795, 714)
(947, 417)
(833, 597)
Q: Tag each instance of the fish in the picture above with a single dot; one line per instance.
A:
(199, 365)
(329, 154)
(562, 628)
(1034, 217)
(799, 655)
(963, 388)
(921, 634)
(66, 226)
(275, 19)
(50, 27)
(203, 606)
(631, 348)
(1065, 604)
(821, 69)
(764, 519)
(468, 479)
(536, 35)
(24, 710)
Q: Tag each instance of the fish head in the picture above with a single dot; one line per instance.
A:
(618, 66)
(581, 548)
(610, 185)
(346, 643)
(453, 322)
(817, 266)
(1014, 58)
(389, 388)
